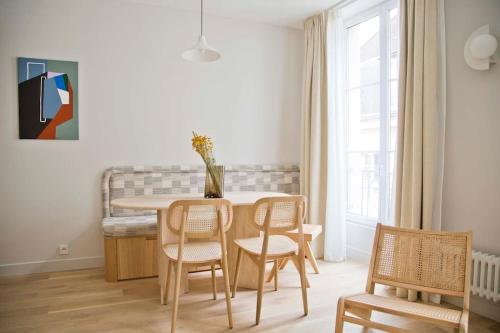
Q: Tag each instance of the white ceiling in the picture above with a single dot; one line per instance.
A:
(290, 13)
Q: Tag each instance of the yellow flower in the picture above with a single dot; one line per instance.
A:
(202, 145)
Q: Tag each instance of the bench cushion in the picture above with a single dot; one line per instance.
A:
(142, 225)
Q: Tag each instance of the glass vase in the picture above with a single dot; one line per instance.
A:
(214, 181)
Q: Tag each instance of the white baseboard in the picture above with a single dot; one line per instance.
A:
(358, 255)
(53, 265)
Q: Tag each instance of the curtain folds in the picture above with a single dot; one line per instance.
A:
(335, 223)
(322, 174)
(314, 139)
(421, 120)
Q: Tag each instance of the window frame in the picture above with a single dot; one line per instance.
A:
(382, 10)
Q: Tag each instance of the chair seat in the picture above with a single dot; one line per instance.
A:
(196, 252)
(402, 307)
(278, 245)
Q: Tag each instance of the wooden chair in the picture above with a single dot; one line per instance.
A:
(274, 216)
(200, 221)
(425, 261)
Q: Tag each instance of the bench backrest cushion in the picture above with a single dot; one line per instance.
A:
(129, 181)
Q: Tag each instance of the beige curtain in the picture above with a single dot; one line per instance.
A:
(314, 148)
(421, 119)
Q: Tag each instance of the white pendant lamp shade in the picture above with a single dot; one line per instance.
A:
(201, 51)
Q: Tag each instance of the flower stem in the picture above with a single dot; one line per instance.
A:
(215, 175)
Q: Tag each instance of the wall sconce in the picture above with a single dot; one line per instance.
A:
(480, 49)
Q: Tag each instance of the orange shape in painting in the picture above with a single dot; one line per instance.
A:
(65, 113)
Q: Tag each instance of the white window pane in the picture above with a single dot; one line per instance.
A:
(390, 177)
(363, 144)
(393, 115)
(371, 146)
(364, 53)
(392, 107)
(394, 70)
(394, 30)
(363, 118)
(394, 43)
(363, 183)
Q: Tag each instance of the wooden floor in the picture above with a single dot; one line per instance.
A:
(81, 301)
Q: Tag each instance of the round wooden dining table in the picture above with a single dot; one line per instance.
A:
(242, 227)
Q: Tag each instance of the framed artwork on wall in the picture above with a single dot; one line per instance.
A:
(48, 99)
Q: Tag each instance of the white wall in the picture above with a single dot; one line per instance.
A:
(471, 193)
(139, 102)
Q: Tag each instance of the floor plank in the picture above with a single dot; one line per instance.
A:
(81, 301)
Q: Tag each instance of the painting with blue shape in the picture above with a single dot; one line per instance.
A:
(48, 99)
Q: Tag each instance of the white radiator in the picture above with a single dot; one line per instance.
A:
(485, 281)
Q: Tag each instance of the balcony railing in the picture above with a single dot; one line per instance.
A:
(363, 183)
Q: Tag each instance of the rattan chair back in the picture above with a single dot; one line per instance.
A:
(437, 262)
(200, 217)
(279, 214)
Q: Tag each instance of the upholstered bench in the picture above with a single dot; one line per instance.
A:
(130, 247)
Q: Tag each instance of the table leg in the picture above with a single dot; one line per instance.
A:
(165, 237)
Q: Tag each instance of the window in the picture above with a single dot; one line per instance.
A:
(372, 40)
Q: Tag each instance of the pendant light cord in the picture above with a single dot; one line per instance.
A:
(201, 17)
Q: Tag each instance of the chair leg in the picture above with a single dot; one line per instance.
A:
(178, 273)
(275, 270)
(260, 290)
(296, 263)
(270, 277)
(237, 272)
(464, 322)
(225, 273)
(303, 283)
(166, 286)
(214, 283)
(283, 263)
(310, 257)
(339, 321)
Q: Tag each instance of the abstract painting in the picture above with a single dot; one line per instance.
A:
(48, 99)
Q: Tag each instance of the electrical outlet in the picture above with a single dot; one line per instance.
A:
(63, 249)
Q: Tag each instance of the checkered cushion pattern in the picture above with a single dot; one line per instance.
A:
(130, 181)
(129, 225)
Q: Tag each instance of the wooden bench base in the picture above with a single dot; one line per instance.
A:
(130, 257)
(133, 257)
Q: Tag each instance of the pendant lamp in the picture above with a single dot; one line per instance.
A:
(201, 51)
